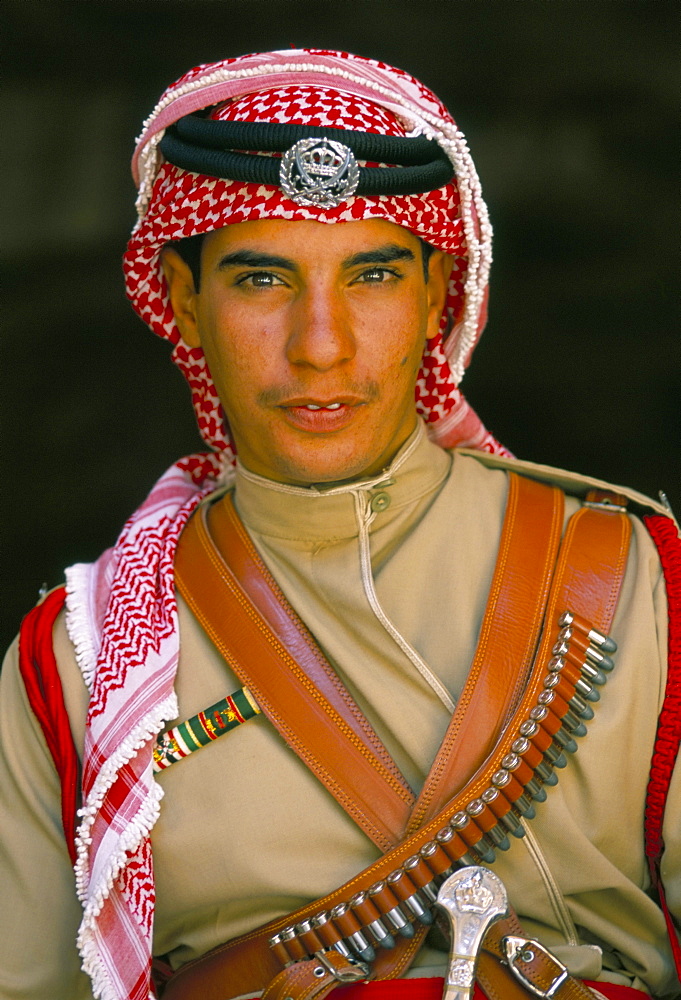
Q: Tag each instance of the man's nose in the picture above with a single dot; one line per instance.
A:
(321, 334)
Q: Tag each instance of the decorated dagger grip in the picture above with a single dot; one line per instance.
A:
(472, 899)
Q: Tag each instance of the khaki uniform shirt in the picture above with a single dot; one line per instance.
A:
(247, 834)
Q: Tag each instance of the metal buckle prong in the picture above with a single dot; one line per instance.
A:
(520, 949)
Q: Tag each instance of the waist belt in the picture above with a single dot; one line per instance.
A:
(523, 702)
(431, 989)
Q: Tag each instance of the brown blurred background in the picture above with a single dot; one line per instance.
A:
(571, 111)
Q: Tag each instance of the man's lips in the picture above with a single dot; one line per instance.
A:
(325, 406)
(321, 415)
(330, 403)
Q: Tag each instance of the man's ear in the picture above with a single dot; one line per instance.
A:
(183, 296)
(439, 269)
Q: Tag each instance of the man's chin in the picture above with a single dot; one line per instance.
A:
(287, 456)
(325, 473)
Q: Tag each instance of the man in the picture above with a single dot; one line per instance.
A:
(285, 689)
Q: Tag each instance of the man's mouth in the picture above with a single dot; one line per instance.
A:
(332, 403)
(319, 415)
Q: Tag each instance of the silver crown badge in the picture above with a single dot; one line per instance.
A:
(319, 172)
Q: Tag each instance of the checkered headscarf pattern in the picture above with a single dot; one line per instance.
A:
(185, 204)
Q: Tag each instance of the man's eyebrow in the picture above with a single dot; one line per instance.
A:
(386, 254)
(254, 258)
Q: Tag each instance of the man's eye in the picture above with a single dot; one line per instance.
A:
(376, 275)
(260, 279)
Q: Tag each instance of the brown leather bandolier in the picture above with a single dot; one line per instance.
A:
(523, 702)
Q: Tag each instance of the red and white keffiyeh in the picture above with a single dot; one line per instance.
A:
(122, 615)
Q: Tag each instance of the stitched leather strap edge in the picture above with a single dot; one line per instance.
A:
(260, 660)
(267, 596)
(508, 637)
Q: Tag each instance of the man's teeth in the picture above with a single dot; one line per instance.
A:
(331, 406)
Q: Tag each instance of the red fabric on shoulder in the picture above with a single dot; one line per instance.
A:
(665, 535)
(38, 668)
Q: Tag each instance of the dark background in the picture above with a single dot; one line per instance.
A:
(571, 111)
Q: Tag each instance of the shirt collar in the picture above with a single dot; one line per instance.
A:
(313, 513)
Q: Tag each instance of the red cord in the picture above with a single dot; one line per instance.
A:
(665, 535)
(38, 669)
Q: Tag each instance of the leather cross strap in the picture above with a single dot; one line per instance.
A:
(272, 652)
(527, 552)
(212, 580)
(588, 578)
(508, 637)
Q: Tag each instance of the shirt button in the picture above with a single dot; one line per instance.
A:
(380, 502)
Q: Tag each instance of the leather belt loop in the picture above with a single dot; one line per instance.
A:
(314, 978)
(533, 973)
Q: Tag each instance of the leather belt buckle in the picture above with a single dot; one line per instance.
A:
(343, 970)
(529, 952)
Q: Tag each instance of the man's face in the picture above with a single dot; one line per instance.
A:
(313, 334)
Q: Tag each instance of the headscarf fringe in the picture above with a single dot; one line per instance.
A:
(137, 827)
(79, 623)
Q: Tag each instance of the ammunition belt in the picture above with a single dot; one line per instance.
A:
(480, 819)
